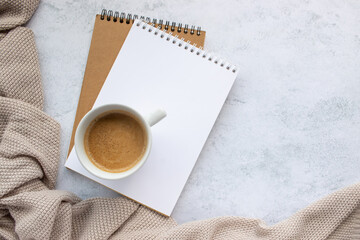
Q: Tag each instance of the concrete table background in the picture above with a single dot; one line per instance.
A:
(289, 132)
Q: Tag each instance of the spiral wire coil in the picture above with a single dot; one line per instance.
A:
(174, 39)
(128, 18)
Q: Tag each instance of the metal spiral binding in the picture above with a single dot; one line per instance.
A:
(127, 18)
(174, 39)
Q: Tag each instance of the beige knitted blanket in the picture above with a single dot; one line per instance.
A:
(30, 208)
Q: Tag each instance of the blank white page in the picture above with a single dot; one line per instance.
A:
(151, 72)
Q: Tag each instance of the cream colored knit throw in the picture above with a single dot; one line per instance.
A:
(29, 154)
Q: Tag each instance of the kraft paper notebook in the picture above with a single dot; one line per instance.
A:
(110, 31)
(154, 69)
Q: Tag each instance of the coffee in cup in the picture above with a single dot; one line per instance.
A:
(115, 141)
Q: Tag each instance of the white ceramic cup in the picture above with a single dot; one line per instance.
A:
(147, 122)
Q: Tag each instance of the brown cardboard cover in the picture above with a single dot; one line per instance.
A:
(107, 40)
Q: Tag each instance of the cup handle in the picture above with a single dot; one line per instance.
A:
(155, 116)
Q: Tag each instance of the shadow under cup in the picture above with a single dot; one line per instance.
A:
(80, 135)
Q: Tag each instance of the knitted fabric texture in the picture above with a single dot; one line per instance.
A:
(30, 208)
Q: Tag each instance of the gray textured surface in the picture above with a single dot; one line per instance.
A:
(289, 132)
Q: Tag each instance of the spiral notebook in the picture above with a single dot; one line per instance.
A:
(110, 31)
(155, 69)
